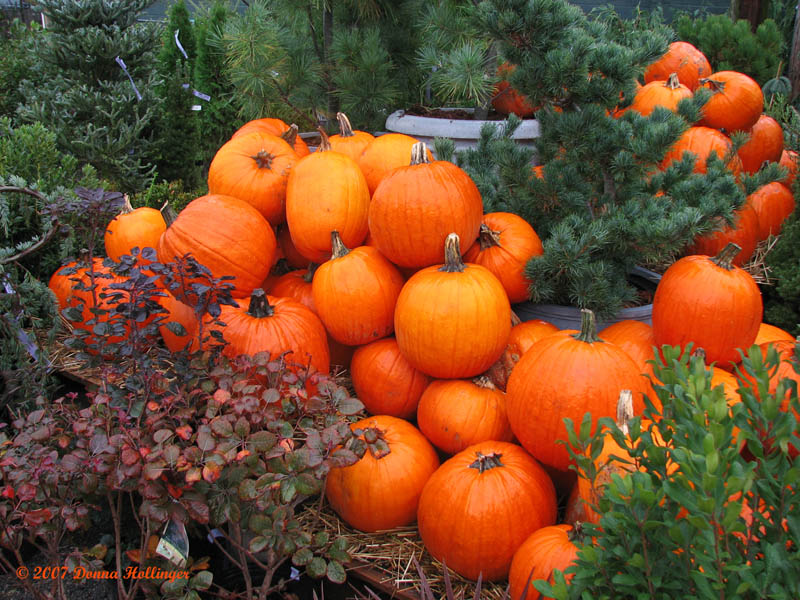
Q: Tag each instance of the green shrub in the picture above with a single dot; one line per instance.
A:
(782, 299)
(14, 65)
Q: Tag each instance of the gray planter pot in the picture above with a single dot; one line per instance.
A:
(464, 132)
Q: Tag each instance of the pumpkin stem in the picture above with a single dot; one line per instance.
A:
(419, 154)
(714, 85)
(290, 135)
(325, 143)
(338, 249)
(126, 207)
(259, 305)
(168, 213)
(484, 382)
(515, 320)
(576, 534)
(672, 82)
(484, 462)
(263, 159)
(624, 410)
(345, 129)
(725, 257)
(588, 332)
(308, 276)
(488, 237)
(452, 255)
(376, 442)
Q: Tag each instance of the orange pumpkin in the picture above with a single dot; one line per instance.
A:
(789, 160)
(481, 505)
(254, 168)
(133, 228)
(660, 93)
(297, 286)
(636, 338)
(382, 490)
(682, 58)
(183, 315)
(524, 335)
(385, 381)
(349, 141)
(736, 101)
(276, 127)
(547, 549)
(770, 333)
(743, 233)
(416, 206)
(355, 293)
(506, 99)
(710, 302)
(702, 141)
(384, 154)
(456, 413)
(773, 203)
(240, 243)
(504, 246)
(290, 253)
(453, 320)
(765, 144)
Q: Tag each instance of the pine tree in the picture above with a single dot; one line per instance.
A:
(81, 91)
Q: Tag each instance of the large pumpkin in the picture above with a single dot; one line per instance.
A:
(481, 504)
(773, 203)
(227, 236)
(660, 93)
(416, 206)
(736, 101)
(133, 228)
(278, 127)
(504, 246)
(682, 58)
(765, 144)
(326, 191)
(709, 302)
(702, 141)
(382, 490)
(547, 549)
(565, 375)
(453, 320)
(254, 168)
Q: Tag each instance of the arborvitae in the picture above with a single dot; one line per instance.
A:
(603, 205)
(177, 134)
(80, 90)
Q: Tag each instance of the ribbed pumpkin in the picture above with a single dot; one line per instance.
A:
(710, 302)
(547, 549)
(254, 168)
(416, 206)
(382, 490)
(277, 127)
(524, 335)
(349, 141)
(297, 286)
(456, 413)
(326, 191)
(567, 374)
(355, 293)
(133, 228)
(660, 93)
(385, 153)
(227, 236)
(702, 141)
(183, 315)
(765, 144)
(682, 58)
(789, 160)
(736, 101)
(773, 204)
(481, 505)
(280, 326)
(743, 233)
(385, 381)
(506, 99)
(505, 244)
(452, 321)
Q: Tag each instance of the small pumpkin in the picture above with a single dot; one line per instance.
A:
(278, 127)
(684, 59)
(506, 99)
(296, 285)
(736, 101)
(183, 315)
(133, 228)
(385, 153)
(789, 160)
(547, 549)
(765, 144)
(349, 141)
(660, 93)
(773, 203)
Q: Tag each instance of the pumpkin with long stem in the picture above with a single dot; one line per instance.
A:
(349, 141)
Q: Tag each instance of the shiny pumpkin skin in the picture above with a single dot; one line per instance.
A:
(765, 144)
(716, 308)
(385, 381)
(255, 168)
(476, 520)
(744, 232)
(384, 154)
(773, 203)
(702, 141)
(504, 246)
(456, 413)
(139, 228)
(241, 243)
(684, 59)
(379, 493)
(735, 104)
(546, 549)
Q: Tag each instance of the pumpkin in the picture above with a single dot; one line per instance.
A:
(416, 206)
(277, 127)
(789, 358)
(481, 504)
(709, 302)
(702, 141)
(504, 246)
(565, 375)
(765, 144)
(773, 203)
(684, 59)
(456, 413)
(524, 335)
(743, 233)
(382, 490)
(736, 101)
(355, 293)
(281, 326)
(452, 321)
(660, 93)
(547, 549)
(240, 243)
(290, 253)
(296, 285)
(254, 168)
(384, 380)
(348, 141)
(326, 191)
(506, 99)
(770, 333)
(636, 338)
(385, 153)
(133, 228)
(183, 315)
(789, 160)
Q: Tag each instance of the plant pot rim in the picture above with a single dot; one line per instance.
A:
(401, 122)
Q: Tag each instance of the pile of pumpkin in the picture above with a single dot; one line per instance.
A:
(399, 274)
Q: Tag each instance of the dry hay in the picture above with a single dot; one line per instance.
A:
(757, 266)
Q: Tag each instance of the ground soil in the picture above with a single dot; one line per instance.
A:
(451, 113)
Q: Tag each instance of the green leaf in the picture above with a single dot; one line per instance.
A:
(349, 407)
(336, 572)
(262, 441)
(288, 490)
(317, 567)
(248, 490)
(201, 581)
(258, 543)
(302, 557)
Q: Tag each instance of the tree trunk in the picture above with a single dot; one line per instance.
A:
(794, 56)
(327, 37)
